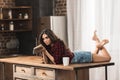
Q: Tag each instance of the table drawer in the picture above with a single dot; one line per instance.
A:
(45, 74)
(22, 79)
(21, 69)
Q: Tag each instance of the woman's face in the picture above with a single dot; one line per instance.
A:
(46, 39)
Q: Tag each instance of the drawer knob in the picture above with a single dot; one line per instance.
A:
(23, 70)
(44, 74)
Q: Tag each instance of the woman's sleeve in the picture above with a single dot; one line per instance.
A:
(58, 52)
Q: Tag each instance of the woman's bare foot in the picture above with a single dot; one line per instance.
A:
(95, 38)
(102, 43)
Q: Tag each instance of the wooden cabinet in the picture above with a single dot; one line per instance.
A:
(20, 16)
(13, 22)
(29, 68)
(22, 72)
(27, 72)
(43, 73)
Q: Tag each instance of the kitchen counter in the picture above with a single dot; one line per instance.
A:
(34, 61)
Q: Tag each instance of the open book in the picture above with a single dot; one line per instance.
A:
(41, 51)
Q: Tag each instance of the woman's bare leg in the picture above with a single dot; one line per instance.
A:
(105, 57)
(97, 40)
(103, 54)
(100, 45)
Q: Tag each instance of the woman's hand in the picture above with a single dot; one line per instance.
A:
(38, 49)
(50, 57)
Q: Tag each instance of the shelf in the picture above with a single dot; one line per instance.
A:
(21, 17)
(17, 7)
(21, 23)
(4, 31)
(14, 19)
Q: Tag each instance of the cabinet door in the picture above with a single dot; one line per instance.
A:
(45, 74)
(23, 72)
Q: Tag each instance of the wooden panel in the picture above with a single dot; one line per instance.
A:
(45, 73)
(82, 74)
(65, 75)
(26, 70)
(22, 79)
(7, 71)
(1, 71)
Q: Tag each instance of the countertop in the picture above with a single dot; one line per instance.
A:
(35, 61)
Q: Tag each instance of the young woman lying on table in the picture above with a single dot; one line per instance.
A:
(57, 50)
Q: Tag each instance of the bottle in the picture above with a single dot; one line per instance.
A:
(10, 14)
(11, 26)
(20, 15)
(1, 13)
(26, 16)
(2, 27)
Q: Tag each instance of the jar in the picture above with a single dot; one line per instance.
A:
(26, 16)
(10, 14)
(11, 25)
(20, 15)
(1, 13)
(2, 27)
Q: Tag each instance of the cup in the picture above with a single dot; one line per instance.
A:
(65, 61)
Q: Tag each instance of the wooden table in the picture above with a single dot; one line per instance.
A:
(34, 61)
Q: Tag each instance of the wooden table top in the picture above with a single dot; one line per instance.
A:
(35, 61)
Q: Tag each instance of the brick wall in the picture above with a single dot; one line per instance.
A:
(60, 8)
(6, 39)
(7, 3)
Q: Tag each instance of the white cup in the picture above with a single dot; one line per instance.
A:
(65, 61)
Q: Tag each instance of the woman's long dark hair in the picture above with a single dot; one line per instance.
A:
(50, 34)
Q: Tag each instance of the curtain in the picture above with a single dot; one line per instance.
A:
(80, 12)
(85, 16)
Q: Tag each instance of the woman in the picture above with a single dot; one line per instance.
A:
(58, 50)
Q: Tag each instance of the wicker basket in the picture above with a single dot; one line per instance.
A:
(7, 3)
